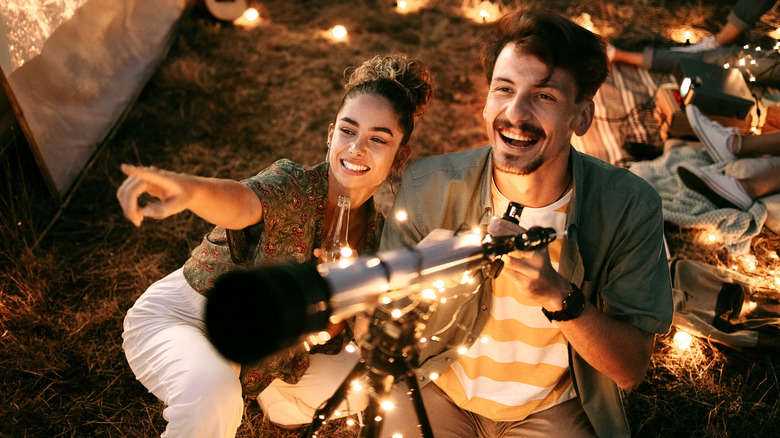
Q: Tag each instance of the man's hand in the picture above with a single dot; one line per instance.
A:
(531, 271)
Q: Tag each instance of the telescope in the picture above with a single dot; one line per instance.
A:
(253, 313)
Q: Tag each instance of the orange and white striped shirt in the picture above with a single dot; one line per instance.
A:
(519, 365)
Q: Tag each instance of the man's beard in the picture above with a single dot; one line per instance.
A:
(505, 163)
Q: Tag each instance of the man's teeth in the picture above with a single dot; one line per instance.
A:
(354, 167)
(518, 137)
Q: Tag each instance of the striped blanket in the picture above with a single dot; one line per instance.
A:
(624, 119)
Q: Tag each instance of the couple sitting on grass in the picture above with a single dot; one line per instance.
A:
(541, 349)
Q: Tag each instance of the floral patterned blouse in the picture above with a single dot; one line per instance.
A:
(293, 197)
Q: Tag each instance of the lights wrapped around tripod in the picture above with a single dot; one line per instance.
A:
(253, 313)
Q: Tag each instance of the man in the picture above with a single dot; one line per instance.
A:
(551, 341)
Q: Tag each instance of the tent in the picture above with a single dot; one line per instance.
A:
(71, 69)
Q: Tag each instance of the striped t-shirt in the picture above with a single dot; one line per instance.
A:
(519, 365)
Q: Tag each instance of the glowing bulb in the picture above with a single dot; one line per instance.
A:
(402, 5)
(683, 340)
(337, 413)
(397, 435)
(339, 32)
(356, 386)
(484, 14)
(483, 339)
(434, 376)
(251, 14)
(742, 62)
(711, 237)
(726, 65)
(462, 350)
(423, 340)
(687, 36)
(378, 418)
(396, 313)
(401, 216)
(386, 300)
(346, 252)
(752, 305)
(387, 405)
(443, 300)
(438, 284)
(350, 348)
(428, 294)
(324, 336)
(476, 231)
(350, 422)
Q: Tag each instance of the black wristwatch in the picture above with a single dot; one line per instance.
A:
(573, 305)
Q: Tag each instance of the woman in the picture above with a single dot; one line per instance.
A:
(280, 214)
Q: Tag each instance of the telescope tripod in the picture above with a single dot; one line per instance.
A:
(389, 355)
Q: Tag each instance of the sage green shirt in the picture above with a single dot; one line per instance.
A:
(614, 251)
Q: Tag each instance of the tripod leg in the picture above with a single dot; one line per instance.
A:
(323, 413)
(381, 385)
(419, 407)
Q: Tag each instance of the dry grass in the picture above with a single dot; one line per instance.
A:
(227, 102)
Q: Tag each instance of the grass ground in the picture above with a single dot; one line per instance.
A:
(227, 102)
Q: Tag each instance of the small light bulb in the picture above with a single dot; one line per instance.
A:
(339, 32)
(683, 340)
(401, 216)
(396, 313)
(350, 348)
(251, 14)
(434, 376)
(387, 405)
(462, 350)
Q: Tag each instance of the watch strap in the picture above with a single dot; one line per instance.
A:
(573, 305)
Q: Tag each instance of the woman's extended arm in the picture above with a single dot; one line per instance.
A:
(223, 202)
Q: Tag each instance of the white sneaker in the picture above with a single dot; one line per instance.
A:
(723, 190)
(705, 44)
(716, 138)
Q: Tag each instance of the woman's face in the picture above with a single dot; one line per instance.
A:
(365, 142)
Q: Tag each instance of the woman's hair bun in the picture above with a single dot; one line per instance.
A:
(412, 75)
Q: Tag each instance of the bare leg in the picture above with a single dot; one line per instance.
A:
(762, 184)
(764, 144)
(727, 34)
(626, 57)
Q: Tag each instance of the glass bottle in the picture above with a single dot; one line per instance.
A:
(336, 243)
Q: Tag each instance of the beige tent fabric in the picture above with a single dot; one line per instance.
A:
(91, 68)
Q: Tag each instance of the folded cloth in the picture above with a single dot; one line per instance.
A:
(690, 209)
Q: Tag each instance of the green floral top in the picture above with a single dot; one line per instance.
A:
(293, 197)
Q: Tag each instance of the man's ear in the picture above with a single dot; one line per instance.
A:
(582, 122)
(401, 156)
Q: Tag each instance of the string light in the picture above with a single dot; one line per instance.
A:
(387, 405)
(401, 216)
(683, 340)
(338, 32)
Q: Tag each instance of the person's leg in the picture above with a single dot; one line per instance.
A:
(763, 144)
(762, 184)
(289, 405)
(169, 353)
(447, 420)
(745, 13)
(566, 419)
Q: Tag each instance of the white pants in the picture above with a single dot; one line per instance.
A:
(169, 352)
